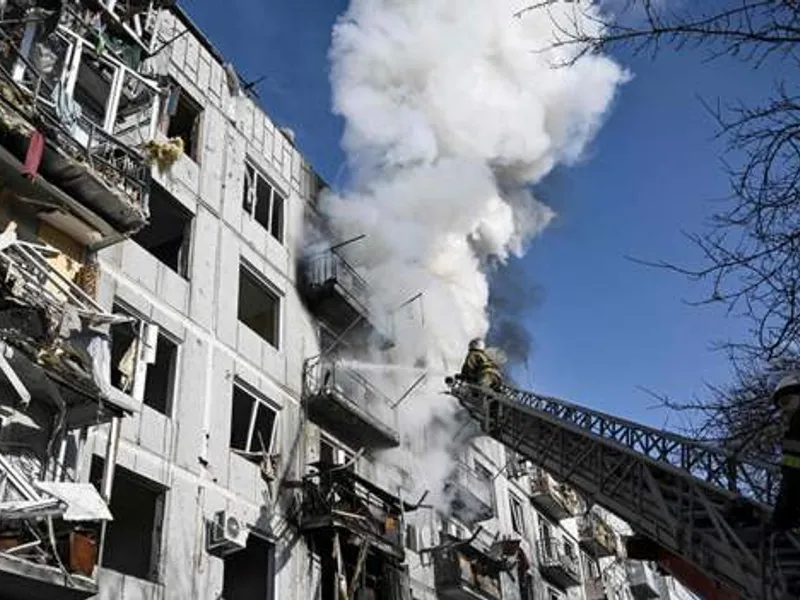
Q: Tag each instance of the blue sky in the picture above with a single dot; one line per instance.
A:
(604, 325)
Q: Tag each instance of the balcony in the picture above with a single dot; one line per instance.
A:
(643, 581)
(558, 567)
(53, 384)
(471, 496)
(597, 538)
(340, 297)
(344, 403)
(337, 499)
(463, 571)
(555, 499)
(86, 177)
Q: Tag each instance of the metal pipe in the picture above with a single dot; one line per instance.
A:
(107, 485)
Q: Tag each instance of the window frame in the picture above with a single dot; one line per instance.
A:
(268, 289)
(342, 454)
(140, 369)
(183, 267)
(174, 370)
(193, 153)
(250, 194)
(514, 501)
(160, 498)
(258, 400)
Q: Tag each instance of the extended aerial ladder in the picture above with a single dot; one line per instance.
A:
(698, 510)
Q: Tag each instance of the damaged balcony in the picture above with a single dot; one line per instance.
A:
(555, 499)
(558, 566)
(471, 495)
(52, 354)
(69, 120)
(597, 538)
(338, 502)
(463, 570)
(344, 403)
(643, 581)
(340, 297)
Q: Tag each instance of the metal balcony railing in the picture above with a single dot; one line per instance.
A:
(466, 480)
(556, 498)
(462, 573)
(557, 564)
(33, 100)
(326, 376)
(337, 498)
(330, 269)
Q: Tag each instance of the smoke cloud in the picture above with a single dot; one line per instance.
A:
(451, 112)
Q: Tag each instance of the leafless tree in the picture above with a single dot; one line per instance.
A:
(751, 247)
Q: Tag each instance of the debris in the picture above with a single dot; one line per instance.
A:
(164, 154)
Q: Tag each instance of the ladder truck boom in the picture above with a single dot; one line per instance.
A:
(697, 509)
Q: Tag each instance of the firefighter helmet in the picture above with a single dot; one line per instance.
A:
(476, 344)
(786, 386)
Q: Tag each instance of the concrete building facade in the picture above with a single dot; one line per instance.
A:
(244, 457)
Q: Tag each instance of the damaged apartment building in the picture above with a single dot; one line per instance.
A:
(174, 420)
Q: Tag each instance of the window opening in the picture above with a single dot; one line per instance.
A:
(252, 424)
(262, 201)
(133, 538)
(259, 307)
(183, 120)
(167, 235)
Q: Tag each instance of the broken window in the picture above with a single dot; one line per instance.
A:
(249, 574)
(93, 86)
(259, 306)
(183, 117)
(168, 233)
(334, 454)
(592, 567)
(546, 536)
(485, 474)
(252, 424)
(262, 201)
(159, 383)
(412, 538)
(517, 515)
(569, 549)
(133, 538)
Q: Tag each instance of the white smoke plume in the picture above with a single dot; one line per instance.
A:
(452, 110)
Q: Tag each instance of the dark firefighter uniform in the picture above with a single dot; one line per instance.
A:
(787, 508)
(479, 368)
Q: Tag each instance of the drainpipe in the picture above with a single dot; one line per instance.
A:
(112, 445)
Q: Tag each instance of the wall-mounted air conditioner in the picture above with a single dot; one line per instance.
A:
(225, 534)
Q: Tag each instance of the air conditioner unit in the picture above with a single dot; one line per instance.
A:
(225, 534)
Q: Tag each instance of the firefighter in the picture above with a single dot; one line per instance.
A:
(787, 509)
(479, 368)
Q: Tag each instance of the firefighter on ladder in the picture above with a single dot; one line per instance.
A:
(787, 508)
(479, 368)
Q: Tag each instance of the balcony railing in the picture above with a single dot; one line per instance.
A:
(597, 537)
(328, 276)
(48, 537)
(472, 497)
(560, 567)
(462, 572)
(78, 149)
(556, 499)
(643, 580)
(338, 498)
(344, 402)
